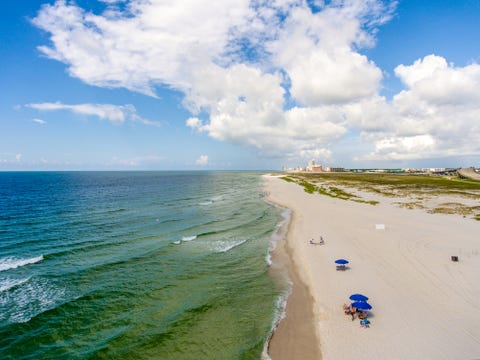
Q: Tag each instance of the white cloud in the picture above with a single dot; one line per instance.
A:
(272, 75)
(202, 160)
(316, 51)
(116, 114)
(195, 123)
(135, 162)
(155, 42)
(39, 121)
(436, 116)
(10, 158)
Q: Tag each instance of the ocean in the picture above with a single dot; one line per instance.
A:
(137, 265)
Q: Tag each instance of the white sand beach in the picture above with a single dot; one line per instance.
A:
(425, 306)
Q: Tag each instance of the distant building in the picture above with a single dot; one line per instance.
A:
(335, 169)
(292, 169)
(313, 167)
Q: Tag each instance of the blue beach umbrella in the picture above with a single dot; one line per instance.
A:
(361, 305)
(341, 261)
(358, 297)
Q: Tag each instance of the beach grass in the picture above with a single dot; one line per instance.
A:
(331, 191)
(410, 181)
(417, 190)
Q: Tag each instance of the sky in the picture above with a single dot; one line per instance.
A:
(238, 84)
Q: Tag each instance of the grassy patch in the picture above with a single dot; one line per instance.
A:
(308, 187)
(454, 208)
(330, 191)
(371, 202)
(409, 181)
(288, 179)
(410, 205)
(413, 190)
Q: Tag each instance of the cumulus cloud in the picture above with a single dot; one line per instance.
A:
(116, 114)
(285, 77)
(151, 43)
(202, 160)
(435, 116)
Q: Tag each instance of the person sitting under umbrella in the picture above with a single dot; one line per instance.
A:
(349, 310)
(341, 264)
(362, 314)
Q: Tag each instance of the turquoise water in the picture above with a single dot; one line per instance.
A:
(135, 265)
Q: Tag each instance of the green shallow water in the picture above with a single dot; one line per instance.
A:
(139, 265)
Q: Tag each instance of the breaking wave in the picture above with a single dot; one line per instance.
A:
(13, 263)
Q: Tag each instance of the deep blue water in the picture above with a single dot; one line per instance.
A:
(135, 265)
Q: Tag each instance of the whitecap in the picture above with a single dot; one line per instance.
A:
(211, 200)
(22, 303)
(178, 242)
(7, 284)
(189, 238)
(225, 246)
(13, 263)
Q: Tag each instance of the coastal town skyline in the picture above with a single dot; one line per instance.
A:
(315, 167)
(252, 85)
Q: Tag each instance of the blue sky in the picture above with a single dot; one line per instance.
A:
(129, 85)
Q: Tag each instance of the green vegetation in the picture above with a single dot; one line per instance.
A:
(371, 202)
(309, 188)
(330, 191)
(415, 190)
(288, 179)
(408, 181)
(410, 205)
(454, 208)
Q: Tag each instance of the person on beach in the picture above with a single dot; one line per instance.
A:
(321, 242)
(349, 310)
(352, 311)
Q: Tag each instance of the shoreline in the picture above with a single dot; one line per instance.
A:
(294, 335)
(420, 297)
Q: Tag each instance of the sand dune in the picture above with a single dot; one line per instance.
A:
(425, 306)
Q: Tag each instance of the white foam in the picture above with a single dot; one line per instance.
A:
(22, 303)
(189, 238)
(279, 233)
(13, 263)
(280, 313)
(224, 246)
(211, 200)
(178, 242)
(7, 284)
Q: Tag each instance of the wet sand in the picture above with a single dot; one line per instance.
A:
(295, 336)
